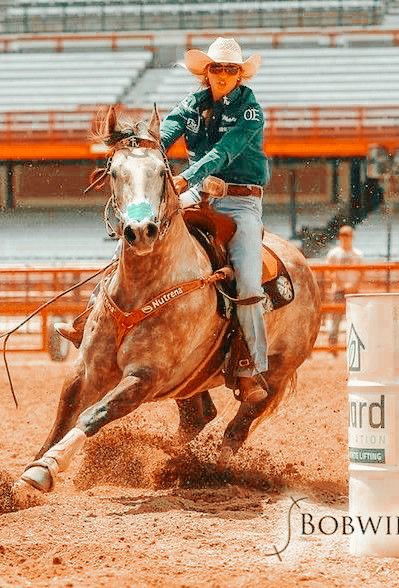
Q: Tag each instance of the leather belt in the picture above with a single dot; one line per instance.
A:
(244, 190)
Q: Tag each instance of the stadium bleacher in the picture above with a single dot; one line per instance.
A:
(64, 77)
(337, 76)
(98, 15)
(340, 76)
(66, 80)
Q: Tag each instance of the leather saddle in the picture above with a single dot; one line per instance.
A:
(214, 230)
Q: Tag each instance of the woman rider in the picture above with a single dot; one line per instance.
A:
(223, 128)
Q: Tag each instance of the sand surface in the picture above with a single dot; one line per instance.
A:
(135, 510)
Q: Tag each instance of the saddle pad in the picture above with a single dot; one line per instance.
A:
(276, 282)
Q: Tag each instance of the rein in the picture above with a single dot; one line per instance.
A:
(7, 334)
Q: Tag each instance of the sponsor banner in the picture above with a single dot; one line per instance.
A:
(357, 455)
(372, 423)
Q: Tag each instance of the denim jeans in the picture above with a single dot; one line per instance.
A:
(245, 250)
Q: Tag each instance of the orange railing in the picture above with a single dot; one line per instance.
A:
(61, 41)
(281, 121)
(277, 38)
(22, 290)
(375, 277)
(291, 131)
(149, 41)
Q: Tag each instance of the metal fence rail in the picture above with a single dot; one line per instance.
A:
(87, 15)
(281, 121)
(22, 290)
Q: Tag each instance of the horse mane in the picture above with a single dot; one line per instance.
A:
(125, 127)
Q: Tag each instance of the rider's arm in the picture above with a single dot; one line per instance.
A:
(231, 145)
(174, 124)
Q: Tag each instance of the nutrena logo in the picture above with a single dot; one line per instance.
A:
(157, 302)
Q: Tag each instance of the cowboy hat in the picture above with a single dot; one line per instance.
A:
(223, 50)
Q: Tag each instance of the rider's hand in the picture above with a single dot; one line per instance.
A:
(180, 184)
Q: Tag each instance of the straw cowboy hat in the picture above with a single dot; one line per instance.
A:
(223, 50)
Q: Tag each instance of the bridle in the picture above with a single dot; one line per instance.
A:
(128, 139)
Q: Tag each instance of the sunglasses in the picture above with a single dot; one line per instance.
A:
(218, 68)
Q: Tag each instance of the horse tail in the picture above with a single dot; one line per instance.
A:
(285, 389)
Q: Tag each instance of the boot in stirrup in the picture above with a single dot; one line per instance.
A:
(74, 332)
(253, 388)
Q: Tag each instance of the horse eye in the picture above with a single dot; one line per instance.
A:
(113, 173)
(162, 173)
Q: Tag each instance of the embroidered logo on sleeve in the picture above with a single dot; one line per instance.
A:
(252, 114)
(193, 125)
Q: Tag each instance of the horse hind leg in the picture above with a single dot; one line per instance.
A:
(237, 431)
(238, 428)
(195, 413)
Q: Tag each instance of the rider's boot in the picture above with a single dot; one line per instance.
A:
(253, 388)
(74, 332)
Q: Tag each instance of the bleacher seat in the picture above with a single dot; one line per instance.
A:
(98, 15)
(340, 76)
(67, 80)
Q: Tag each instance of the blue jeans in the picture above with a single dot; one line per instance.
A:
(245, 250)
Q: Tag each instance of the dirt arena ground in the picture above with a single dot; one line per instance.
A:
(135, 511)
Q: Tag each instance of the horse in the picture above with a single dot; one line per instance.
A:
(123, 363)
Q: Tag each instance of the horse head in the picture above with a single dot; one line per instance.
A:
(143, 196)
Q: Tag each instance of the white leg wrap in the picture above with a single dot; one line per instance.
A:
(63, 451)
(41, 474)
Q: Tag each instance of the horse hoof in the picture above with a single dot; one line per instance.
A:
(39, 477)
(226, 455)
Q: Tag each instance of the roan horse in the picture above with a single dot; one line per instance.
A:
(119, 368)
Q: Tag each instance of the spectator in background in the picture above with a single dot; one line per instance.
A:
(345, 282)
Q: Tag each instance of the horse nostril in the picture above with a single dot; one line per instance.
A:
(152, 230)
(130, 234)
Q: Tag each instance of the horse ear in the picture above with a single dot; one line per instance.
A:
(155, 123)
(111, 119)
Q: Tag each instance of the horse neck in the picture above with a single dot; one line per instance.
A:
(174, 259)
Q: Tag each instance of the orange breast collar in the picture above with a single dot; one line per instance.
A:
(125, 321)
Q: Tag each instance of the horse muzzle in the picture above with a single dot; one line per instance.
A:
(141, 236)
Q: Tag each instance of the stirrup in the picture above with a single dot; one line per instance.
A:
(69, 332)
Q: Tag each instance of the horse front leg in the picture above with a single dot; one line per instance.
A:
(195, 413)
(68, 406)
(119, 402)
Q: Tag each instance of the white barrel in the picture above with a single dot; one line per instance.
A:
(373, 385)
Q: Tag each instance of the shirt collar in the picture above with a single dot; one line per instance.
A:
(229, 98)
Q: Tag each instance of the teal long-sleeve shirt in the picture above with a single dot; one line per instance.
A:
(233, 149)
